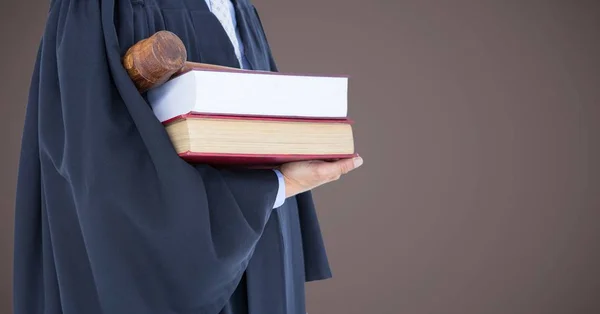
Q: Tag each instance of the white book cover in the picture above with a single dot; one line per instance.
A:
(251, 93)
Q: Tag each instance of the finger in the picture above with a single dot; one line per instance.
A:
(333, 170)
(347, 165)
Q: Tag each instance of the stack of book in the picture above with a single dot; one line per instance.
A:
(231, 116)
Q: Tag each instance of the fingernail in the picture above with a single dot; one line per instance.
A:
(358, 161)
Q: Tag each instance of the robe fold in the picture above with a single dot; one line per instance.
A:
(109, 220)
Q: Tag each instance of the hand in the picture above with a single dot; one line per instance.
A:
(303, 176)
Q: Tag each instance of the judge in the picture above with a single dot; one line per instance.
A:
(109, 220)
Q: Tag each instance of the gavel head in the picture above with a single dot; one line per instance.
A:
(154, 60)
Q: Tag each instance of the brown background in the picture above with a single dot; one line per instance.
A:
(479, 122)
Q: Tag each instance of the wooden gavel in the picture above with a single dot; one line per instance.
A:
(154, 60)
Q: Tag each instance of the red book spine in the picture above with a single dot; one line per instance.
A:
(256, 160)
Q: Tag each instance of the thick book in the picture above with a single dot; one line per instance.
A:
(203, 89)
(259, 140)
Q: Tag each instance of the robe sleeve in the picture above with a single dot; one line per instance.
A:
(161, 235)
(316, 261)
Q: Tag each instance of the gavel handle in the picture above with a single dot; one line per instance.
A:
(153, 61)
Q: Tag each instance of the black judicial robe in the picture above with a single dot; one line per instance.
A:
(109, 219)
